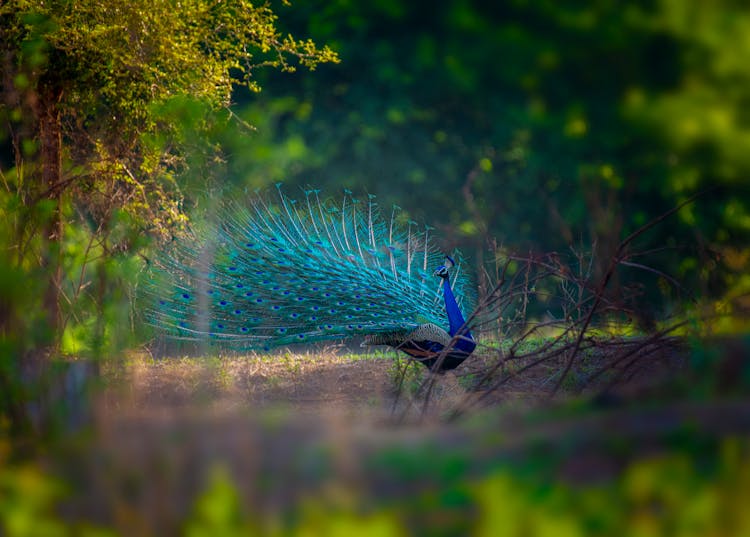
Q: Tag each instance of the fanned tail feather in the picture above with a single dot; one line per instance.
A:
(294, 271)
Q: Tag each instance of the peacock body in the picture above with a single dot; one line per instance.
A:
(295, 271)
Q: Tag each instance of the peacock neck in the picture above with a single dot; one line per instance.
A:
(455, 318)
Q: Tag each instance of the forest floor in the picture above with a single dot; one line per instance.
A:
(289, 427)
(380, 385)
(303, 383)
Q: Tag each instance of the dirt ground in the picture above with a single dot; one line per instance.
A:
(376, 386)
(288, 427)
(303, 383)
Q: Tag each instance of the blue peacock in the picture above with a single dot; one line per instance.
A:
(290, 271)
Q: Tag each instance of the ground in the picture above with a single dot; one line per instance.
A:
(311, 383)
(331, 425)
(335, 380)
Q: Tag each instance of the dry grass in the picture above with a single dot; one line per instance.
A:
(375, 388)
(304, 383)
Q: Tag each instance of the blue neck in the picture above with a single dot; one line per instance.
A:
(455, 318)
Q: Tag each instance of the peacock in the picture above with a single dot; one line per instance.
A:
(285, 271)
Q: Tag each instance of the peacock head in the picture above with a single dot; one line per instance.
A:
(442, 270)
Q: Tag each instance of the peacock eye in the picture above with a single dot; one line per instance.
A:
(280, 254)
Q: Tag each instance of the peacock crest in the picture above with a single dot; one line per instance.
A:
(285, 271)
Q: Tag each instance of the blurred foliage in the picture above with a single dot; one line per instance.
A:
(541, 125)
(29, 499)
(675, 494)
(217, 511)
(717, 369)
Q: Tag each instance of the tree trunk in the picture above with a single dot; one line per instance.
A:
(50, 140)
(36, 370)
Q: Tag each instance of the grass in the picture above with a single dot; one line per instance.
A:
(524, 369)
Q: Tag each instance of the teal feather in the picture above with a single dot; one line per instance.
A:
(294, 271)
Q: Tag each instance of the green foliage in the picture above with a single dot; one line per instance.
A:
(29, 500)
(132, 79)
(671, 494)
(540, 125)
(28, 496)
(217, 511)
(99, 275)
